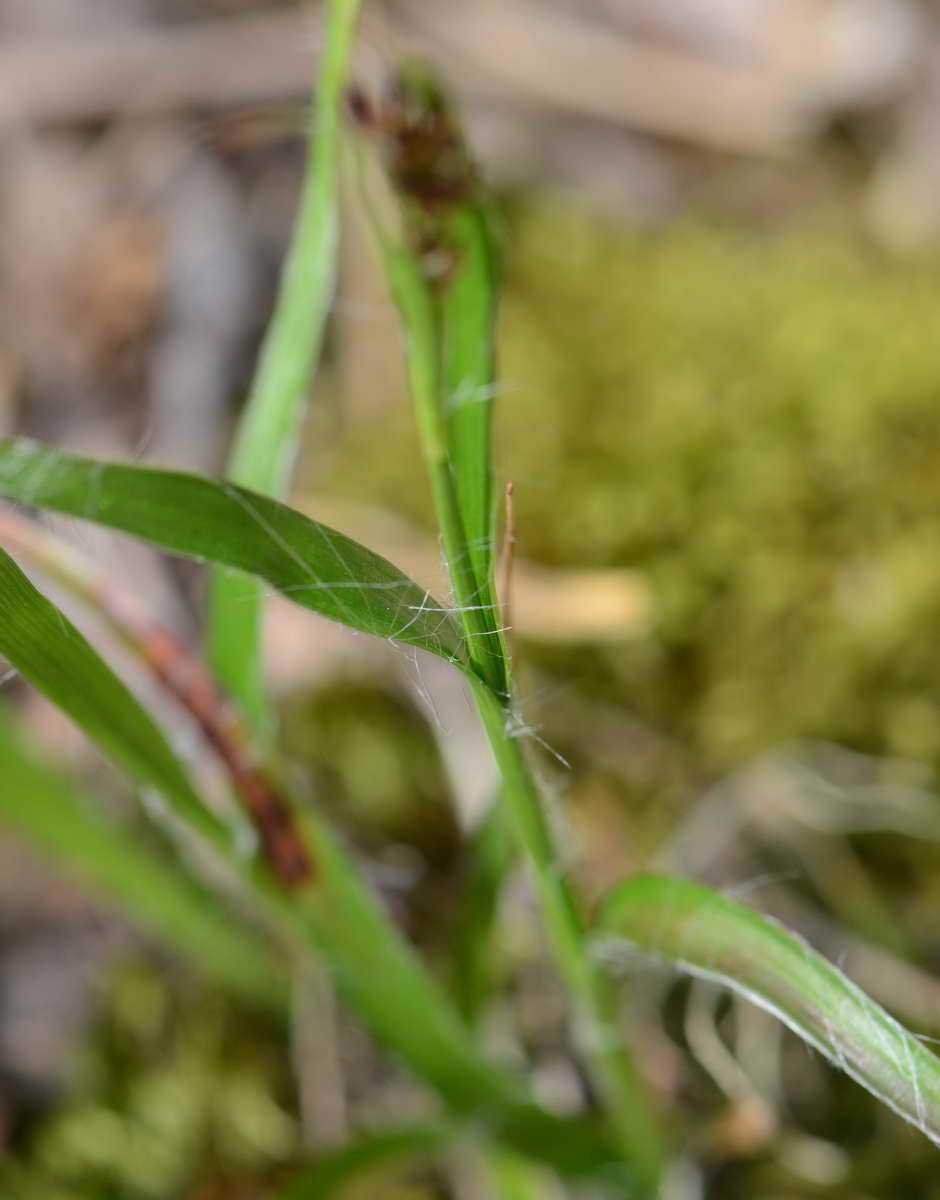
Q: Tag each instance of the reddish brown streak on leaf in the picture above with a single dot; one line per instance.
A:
(187, 679)
(274, 823)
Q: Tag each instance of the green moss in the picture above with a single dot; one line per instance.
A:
(175, 1087)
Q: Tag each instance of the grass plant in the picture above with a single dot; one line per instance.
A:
(308, 895)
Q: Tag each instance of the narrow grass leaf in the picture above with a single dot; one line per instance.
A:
(438, 190)
(468, 331)
(154, 892)
(491, 856)
(446, 235)
(375, 967)
(383, 978)
(219, 522)
(440, 267)
(417, 306)
(712, 937)
(378, 971)
(335, 912)
(46, 648)
(266, 439)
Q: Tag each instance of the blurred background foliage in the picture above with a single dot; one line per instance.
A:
(721, 415)
(169, 1085)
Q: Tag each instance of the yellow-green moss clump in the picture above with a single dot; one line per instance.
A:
(755, 422)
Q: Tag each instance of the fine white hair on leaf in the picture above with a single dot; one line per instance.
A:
(747, 887)
(516, 727)
(709, 937)
(469, 392)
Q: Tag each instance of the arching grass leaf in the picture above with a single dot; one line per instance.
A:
(47, 649)
(380, 974)
(218, 522)
(468, 320)
(705, 934)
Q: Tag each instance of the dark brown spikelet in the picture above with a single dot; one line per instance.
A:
(420, 140)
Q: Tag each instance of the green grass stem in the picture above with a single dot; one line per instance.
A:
(595, 1028)
(267, 435)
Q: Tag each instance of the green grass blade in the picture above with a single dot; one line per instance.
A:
(310, 563)
(705, 934)
(492, 854)
(427, 164)
(382, 976)
(341, 1168)
(441, 272)
(379, 973)
(377, 970)
(619, 1085)
(234, 629)
(267, 435)
(334, 911)
(417, 306)
(266, 439)
(468, 332)
(47, 649)
(155, 893)
(446, 235)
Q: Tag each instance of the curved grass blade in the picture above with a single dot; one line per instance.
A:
(47, 649)
(468, 330)
(432, 175)
(267, 435)
(446, 233)
(338, 1170)
(382, 976)
(181, 674)
(441, 275)
(313, 565)
(153, 892)
(375, 967)
(705, 934)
